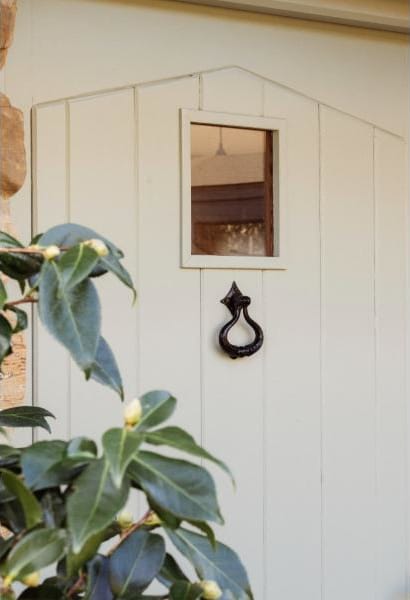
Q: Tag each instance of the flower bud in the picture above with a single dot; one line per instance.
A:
(212, 591)
(8, 580)
(125, 519)
(32, 580)
(98, 246)
(152, 519)
(36, 248)
(51, 252)
(133, 413)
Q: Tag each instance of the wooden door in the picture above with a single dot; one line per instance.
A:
(313, 425)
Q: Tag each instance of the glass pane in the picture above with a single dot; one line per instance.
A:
(231, 193)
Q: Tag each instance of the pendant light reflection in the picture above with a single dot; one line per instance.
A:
(221, 150)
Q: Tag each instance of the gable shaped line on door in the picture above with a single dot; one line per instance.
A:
(137, 85)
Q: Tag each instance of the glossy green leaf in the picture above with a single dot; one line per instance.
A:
(5, 545)
(76, 264)
(94, 503)
(170, 572)
(120, 446)
(21, 319)
(25, 416)
(35, 551)
(8, 455)
(41, 462)
(15, 265)
(73, 316)
(30, 505)
(5, 337)
(136, 563)
(220, 564)
(82, 447)
(98, 586)
(175, 437)
(105, 369)
(76, 560)
(53, 507)
(3, 294)
(206, 529)
(70, 234)
(46, 591)
(184, 590)
(157, 406)
(184, 489)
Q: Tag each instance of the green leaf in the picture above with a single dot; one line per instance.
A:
(157, 406)
(136, 563)
(175, 437)
(46, 591)
(5, 337)
(53, 506)
(220, 564)
(82, 447)
(8, 455)
(76, 264)
(34, 551)
(31, 507)
(5, 545)
(3, 294)
(25, 416)
(94, 503)
(120, 446)
(70, 234)
(170, 572)
(75, 560)
(105, 369)
(73, 316)
(206, 529)
(15, 265)
(184, 590)
(184, 489)
(21, 319)
(41, 464)
(98, 586)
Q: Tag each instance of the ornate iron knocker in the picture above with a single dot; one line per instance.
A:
(237, 302)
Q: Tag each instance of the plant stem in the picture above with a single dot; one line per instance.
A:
(77, 586)
(20, 251)
(26, 300)
(129, 531)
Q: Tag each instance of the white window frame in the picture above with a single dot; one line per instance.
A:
(199, 261)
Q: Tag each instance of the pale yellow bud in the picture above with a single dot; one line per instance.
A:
(212, 591)
(32, 580)
(8, 581)
(125, 519)
(36, 248)
(152, 520)
(98, 246)
(51, 252)
(133, 412)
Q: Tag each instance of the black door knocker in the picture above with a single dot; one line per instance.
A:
(237, 302)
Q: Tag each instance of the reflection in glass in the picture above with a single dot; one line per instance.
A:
(231, 191)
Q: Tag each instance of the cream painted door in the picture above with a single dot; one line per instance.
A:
(313, 425)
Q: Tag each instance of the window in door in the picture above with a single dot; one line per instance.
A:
(231, 204)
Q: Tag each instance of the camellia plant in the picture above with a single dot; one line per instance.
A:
(62, 503)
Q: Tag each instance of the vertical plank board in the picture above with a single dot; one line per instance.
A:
(169, 299)
(232, 401)
(51, 361)
(292, 373)
(102, 196)
(391, 245)
(348, 355)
